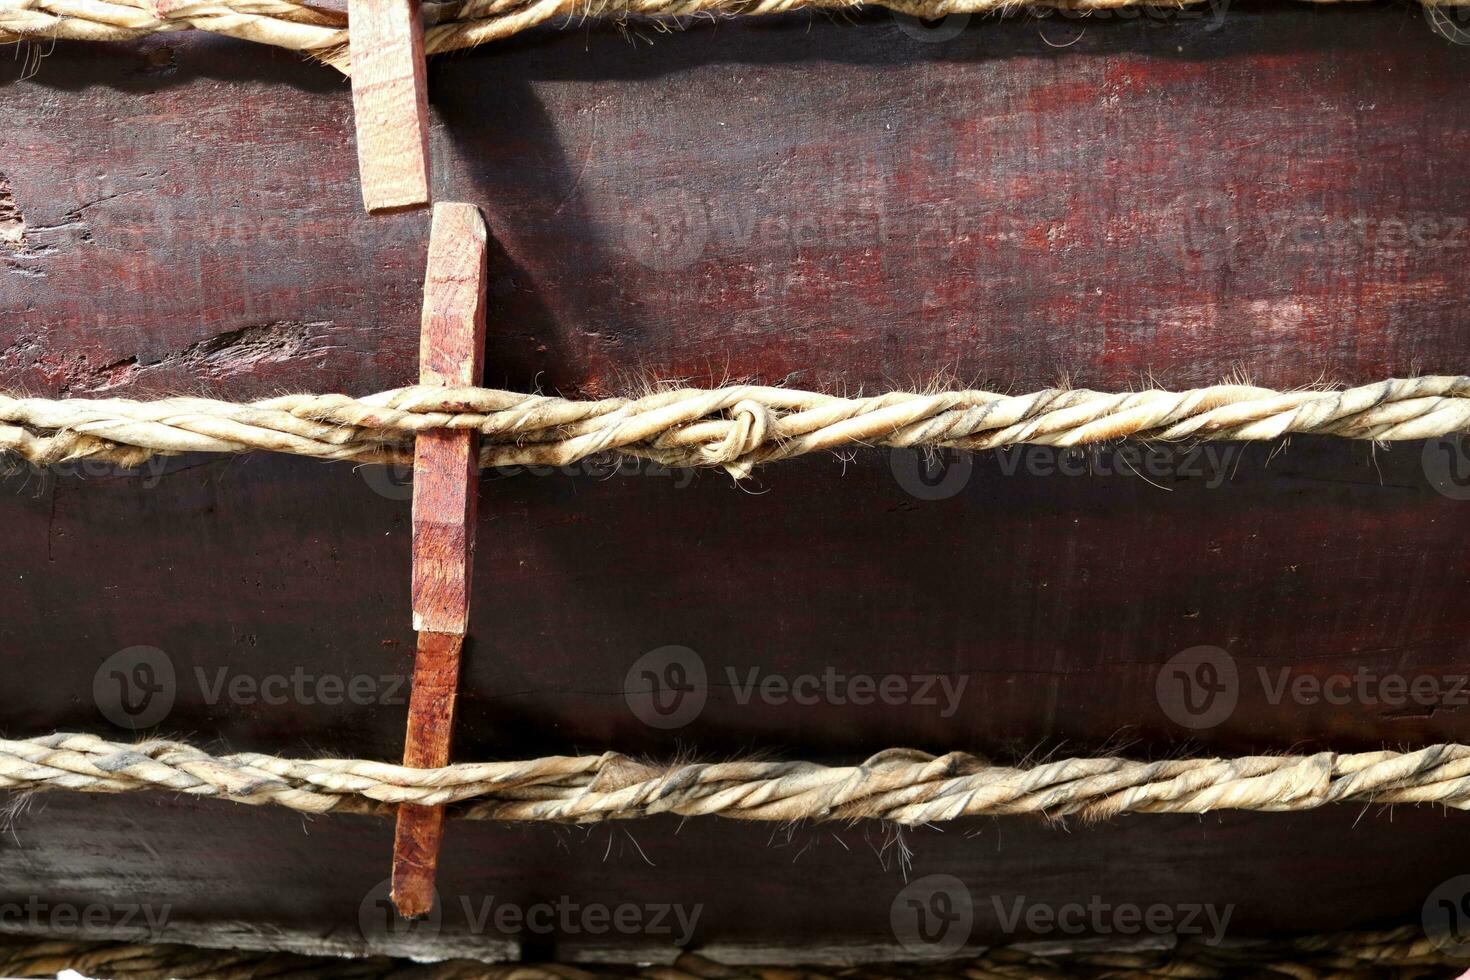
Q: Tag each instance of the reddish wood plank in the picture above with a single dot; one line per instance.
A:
(390, 103)
(1129, 205)
(997, 205)
(445, 468)
(446, 480)
(420, 829)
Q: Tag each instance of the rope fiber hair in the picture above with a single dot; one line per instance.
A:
(322, 33)
(900, 785)
(736, 427)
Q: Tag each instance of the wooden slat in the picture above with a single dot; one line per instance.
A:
(420, 829)
(451, 352)
(390, 103)
(444, 493)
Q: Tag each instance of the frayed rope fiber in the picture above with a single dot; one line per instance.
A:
(300, 26)
(900, 785)
(736, 427)
(1403, 952)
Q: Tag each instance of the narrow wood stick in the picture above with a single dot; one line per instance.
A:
(446, 474)
(390, 103)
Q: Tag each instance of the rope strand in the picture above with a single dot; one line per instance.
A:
(901, 785)
(737, 427)
(299, 26)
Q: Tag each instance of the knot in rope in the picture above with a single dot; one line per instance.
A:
(745, 433)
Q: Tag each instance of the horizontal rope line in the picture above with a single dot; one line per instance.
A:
(736, 427)
(901, 785)
(1329, 954)
(451, 26)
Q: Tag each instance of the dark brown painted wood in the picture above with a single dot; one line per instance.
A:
(828, 204)
(197, 864)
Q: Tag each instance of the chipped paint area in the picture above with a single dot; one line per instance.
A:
(224, 356)
(1286, 315)
(12, 221)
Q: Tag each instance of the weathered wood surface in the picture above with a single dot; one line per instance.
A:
(445, 491)
(390, 103)
(446, 464)
(994, 205)
(268, 878)
(833, 204)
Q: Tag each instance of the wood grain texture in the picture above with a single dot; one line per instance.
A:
(1113, 210)
(451, 352)
(390, 100)
(752, 894)
(420, 829)
(446, 485)
(1154, 199)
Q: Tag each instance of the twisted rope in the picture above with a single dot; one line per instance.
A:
(451, 26)
(902, 785)
(1403, 952)
(736, 427)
